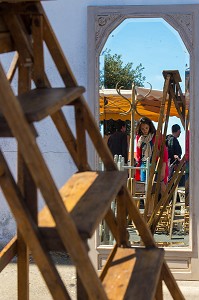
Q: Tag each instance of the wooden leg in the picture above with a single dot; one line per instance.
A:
(151, 205)
(81, 292)
(24, 179)
(29, 191)
(159, 290)
(22, 268)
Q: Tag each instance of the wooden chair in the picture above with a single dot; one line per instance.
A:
(179, 217)
(72, 214)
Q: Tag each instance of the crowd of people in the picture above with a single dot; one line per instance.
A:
(145, 139)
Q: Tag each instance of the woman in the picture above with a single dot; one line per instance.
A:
(145, 138)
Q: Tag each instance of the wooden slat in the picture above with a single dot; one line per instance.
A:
(133, 273)
(139, 221)
(13, 67)
(175, 75)
(24, 78)
(123, 238)
(81, 137)
(51, 239)
(3, 27)
(20, 37)
(161, 153)
(22, 268)
(175, 78)
(40, 103)
(8, 253)
(182, 97)
(81, 292)
(28, 190)
(87, 196)
(5, 130)
(38, 52)
(112, 224)
(108, 262)
(159, 290)
(65, 132)
(6, 43)
(181, 116)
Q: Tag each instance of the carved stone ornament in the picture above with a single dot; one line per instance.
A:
(183, 23)
(104, 25)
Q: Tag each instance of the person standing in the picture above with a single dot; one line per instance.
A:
(118, 143)
(145, 138)
(187, 153)
(174, 148)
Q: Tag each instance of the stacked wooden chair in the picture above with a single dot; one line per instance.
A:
(180, 212)
(72, 214)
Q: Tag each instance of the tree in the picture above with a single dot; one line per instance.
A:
(115, 71)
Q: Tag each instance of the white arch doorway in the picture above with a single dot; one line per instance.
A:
(183, 18)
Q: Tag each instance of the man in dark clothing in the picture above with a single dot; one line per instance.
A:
(174, 148)
(117, 142)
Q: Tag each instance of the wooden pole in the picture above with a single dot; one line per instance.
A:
(131, 147)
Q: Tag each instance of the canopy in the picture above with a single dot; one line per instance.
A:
(113, 105)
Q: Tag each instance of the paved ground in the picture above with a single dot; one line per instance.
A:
(39, 291)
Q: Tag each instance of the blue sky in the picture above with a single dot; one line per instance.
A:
(156, 45)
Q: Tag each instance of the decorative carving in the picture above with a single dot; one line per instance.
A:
(183, 23)
(105, 24)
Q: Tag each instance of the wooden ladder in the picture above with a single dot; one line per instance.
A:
(171, 92)
(72, 214)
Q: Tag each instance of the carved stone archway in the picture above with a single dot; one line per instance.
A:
(182, 23)
(184, 19)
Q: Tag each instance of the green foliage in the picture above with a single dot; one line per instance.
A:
(115, 71)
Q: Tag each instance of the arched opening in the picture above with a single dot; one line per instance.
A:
(140, 49)
(183, 18)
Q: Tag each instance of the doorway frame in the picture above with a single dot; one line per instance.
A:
(102, 20)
